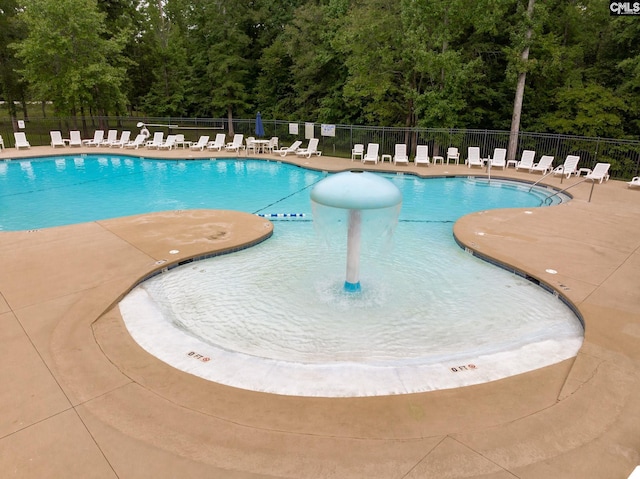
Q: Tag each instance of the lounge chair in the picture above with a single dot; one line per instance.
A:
(21, 140)
(98, 136)
(169, 143)
(236, 144)
(285, 150)
(112, 135)
(599, 173)
(218, 143)
(74, 138)
(499, 159)
(473, 157)
(570, 167)
(544, 166)
(453, 154)
(158, 139)
(526, 162)
(372, 153)
(635, 181)
(56, 139)
(357, 152)
(311, 149)
(124, 139)
(422, 155)
(201, 144)
(138, 142)
(400, 154)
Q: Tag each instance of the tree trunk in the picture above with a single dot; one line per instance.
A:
(230, 119)
(512, 149)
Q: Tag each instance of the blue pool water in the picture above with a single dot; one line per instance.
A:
(274, 317)
(67, 190)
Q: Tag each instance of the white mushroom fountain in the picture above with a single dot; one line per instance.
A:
(366, 199)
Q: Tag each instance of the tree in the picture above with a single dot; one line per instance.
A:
(67, 57)
(12, 87)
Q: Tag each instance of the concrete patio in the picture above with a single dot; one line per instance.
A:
(81, 399)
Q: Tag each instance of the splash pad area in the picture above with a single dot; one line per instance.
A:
(280, 318)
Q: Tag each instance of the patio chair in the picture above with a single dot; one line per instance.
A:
(74, 138)
(98, 136)
(600, 173)
(400, 154)
(236, 144)
(201, 144)
(124, 139)
(158, 139)
(526, 161)
(56, 139)
(544, 165)
(137, 143)
(218, 143)
(499, 159)
(473, 157)
(372, 153)
(570, 166)
(285, 150)
(453, 154)
(250, 145)
(21, 140)
(273, 144)
(311, 149)
(422, 155)
(357, 152)
(112, 135)
(169, 143)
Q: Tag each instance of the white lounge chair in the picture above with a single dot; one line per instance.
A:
(635, 181)
(218, 143)
(544, 165)
(372, 153)
(169, 143)
(112, 135)
(526, 162)
(21, 140)
(56, 139)
(311, 149)
(201, 144)
(285, 150)
(74, 138)
(400, 154)
(600, 172)
(499, 159)
(138, 142)
(422, 155)
(570, 166)
(124, 139)
(158, 139)
(473, 157)
(357, 152)
(98, 136)
(236, 144)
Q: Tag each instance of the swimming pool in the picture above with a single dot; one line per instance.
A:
(270, 318)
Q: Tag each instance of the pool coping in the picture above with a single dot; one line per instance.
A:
(574, 419)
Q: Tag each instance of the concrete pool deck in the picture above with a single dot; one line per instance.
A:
(81, 399)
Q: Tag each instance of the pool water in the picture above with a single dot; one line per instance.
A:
(274, 317)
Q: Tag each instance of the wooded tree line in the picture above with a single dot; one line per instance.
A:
(425, 63)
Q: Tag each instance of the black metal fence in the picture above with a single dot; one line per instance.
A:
(338, 140)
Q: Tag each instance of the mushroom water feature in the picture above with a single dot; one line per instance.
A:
(368, 204)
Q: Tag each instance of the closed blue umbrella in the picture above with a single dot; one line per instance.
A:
(259, 126)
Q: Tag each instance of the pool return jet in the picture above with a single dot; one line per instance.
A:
(367, 199)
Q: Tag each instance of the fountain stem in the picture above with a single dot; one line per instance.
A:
(352, 282)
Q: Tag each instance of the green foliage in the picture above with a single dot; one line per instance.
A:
(67, 57)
